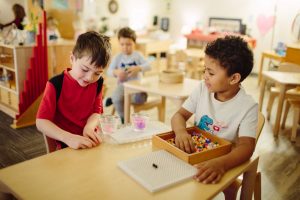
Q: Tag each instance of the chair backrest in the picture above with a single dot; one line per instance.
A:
(260, 125)
(288, 67)
(50, 144)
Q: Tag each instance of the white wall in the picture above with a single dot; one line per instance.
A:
(191, 12)
(138, 13)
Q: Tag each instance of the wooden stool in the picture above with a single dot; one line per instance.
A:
(295, 104)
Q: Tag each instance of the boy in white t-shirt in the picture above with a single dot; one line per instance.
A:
(221, 107)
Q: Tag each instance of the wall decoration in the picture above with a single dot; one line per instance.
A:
(265, 23)
(113, 6)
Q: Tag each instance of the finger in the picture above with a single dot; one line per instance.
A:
(97, 136)
(192, 145)
(89, 143)
(93, 138)
(210, 178)
(204, 174)
(218, 178)
(187, 146)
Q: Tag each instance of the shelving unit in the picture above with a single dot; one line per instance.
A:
(14, 62)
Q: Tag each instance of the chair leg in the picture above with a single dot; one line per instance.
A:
(257, 187)
(286, 111)
(270, 104)
(295, 123)
(231, 191)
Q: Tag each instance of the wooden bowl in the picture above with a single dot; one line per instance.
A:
(171, 76)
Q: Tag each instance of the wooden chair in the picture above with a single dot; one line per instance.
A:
(238, 182)
(274, 91)
(295, 104)
(50, 144)
(152, 102)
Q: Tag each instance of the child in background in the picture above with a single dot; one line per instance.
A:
(52, 30)
(126, 66)
(221, 107)
(73, 118)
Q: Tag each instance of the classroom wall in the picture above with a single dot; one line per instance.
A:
(190, 13)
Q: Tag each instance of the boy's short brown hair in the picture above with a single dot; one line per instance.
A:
(127, 32)
(95, 45)
(233, 54)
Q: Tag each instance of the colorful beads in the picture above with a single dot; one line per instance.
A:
(201, 142)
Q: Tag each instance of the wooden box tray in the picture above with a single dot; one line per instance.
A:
(160, 141)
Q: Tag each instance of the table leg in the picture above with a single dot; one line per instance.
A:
(279, 109)
(260, 68)
(261, 94)
(163, 109)
(127, 97)
(248, 182)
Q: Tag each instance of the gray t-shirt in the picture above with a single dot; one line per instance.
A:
(122, 61)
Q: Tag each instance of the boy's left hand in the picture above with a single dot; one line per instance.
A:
(92, 133)
(133, 71)
(210, 171)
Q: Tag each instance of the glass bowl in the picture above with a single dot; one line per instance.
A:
(139, 121)
(109, 123)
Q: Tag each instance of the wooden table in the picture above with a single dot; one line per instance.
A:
(271, 54)
(93, 174)
(285, 80)
(177, 92)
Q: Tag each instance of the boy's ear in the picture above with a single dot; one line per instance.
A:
(235, 78)
(72, 58)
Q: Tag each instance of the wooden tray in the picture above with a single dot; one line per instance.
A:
(159, 141)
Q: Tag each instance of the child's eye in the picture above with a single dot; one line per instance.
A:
(85, 70)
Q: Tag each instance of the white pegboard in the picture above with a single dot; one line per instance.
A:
(157, 170)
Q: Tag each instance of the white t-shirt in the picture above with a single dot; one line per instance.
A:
(229, 120)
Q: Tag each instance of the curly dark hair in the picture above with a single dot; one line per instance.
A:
(233, 53)
(95, 45)
(127, 32)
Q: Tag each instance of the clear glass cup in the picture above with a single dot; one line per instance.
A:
(139, 121)
(109, 123)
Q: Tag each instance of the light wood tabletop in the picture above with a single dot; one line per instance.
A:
(285, 80)
(178, 92)
(93, 174)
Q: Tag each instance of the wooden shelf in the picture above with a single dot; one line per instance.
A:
(8, 110)
(8, 66)
(8, 89)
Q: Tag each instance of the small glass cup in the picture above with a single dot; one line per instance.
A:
(139, 121)
(109, 123)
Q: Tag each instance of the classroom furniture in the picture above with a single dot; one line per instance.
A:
(14, 62)
(199, 39)
(257, 186)
(285, 81)
(94, 174)
(292, 56)
(271, 54)
(295, 104)
(177, 92)
(59, 53)
(152, 102)
(274, 91)
(191, 61)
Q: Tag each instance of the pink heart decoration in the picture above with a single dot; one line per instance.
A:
(265, 23)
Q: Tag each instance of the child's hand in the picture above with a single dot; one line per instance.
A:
(210, 171)
(79, 142)
(133, 71)
(184, 142)
(120, 74)
(92, 133)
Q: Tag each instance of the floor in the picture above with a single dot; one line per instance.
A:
(279, 158)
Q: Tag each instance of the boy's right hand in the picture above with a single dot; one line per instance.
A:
(184, 142)
(79, 142)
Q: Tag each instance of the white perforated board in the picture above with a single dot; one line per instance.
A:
(170, 170)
